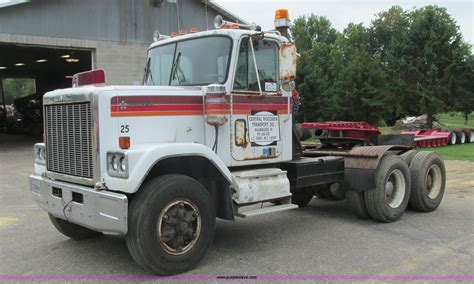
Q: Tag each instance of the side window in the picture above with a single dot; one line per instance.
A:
(266, 56)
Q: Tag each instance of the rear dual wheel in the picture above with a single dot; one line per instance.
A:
(389, 199)
(333, 191)
(408, 156)
(357, 204)
(428, 181)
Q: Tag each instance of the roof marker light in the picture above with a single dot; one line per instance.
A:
(19, 64)
(194, 30)
(173, 34)
(41, 60)
(93, 77)
(3, 67)
(183, 31)
(65, 56)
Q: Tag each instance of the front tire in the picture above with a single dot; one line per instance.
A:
(73, 231)
(389, 199)
(171, 224)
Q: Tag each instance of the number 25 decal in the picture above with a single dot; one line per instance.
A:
(124, 128)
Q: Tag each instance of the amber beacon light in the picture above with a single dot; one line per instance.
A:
(281, 14)
(282, 21)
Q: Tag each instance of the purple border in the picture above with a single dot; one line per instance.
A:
(238, 277)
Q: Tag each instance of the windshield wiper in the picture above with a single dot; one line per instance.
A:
(174, 69)
(148, 73)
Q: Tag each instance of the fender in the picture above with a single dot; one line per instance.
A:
(360, 169)
(143, 157)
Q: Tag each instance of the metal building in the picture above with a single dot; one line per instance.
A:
(50, 40)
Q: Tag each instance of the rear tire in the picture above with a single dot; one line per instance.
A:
(428, 181)
(389, 199)
(73, 231)
(470, 136)
(408, 156)
(332, 191)
(357, 204)
(171, 224)
(462, 137)
(452, 138)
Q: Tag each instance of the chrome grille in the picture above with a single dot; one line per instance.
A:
(69, 139)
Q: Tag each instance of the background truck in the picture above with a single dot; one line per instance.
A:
(210, 134)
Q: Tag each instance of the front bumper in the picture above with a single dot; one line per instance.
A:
(102, 211)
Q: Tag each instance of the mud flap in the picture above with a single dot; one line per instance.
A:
(360, 170)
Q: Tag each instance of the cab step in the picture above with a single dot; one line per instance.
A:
(266, 210)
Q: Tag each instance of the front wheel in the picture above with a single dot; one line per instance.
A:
(389, 199)
(171, 224)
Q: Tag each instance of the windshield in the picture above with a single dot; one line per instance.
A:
(199, 61)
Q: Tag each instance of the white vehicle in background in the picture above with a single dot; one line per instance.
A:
(210, 134)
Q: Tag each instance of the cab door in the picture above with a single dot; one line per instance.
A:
(260, 110)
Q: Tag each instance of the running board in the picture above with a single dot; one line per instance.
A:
(267, 210)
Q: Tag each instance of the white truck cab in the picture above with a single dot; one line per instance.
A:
(209, 134)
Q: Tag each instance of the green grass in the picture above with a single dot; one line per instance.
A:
(456, 120)
(389, 130)
(464, 152)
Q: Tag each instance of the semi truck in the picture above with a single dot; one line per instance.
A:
(210, 134)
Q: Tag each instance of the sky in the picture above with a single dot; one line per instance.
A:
(343, 12)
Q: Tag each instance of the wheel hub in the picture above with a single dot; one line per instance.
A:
(429, 181)
(178, 227)
(389, 188)
(433, 181)
(395, 189)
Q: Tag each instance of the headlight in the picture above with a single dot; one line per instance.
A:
(123, 164)
(117, 164)
(114, 163)
(40, 153)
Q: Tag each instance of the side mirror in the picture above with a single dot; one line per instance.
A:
(288, 66)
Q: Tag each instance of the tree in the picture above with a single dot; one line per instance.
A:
(406, 63)
(461, 83)
(314, 38)
(360, 80)
(389, 40)
(434, 43)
